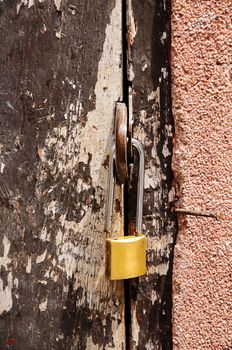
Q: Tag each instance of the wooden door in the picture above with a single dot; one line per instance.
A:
(64, 64)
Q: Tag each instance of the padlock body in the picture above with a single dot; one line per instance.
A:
(125, 257)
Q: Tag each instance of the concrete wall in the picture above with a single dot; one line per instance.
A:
(201, 57)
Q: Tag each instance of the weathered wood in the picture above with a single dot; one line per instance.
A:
(60, 69)
(149, 71)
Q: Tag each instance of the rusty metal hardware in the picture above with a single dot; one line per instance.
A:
(130, 121)
(195, 213)
(121, 142)
(126, 255)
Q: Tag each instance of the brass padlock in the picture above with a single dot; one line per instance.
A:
(126, 255)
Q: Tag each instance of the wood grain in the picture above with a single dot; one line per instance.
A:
(149, 71)
(60, 70)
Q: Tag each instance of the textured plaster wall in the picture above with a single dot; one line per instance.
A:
(202, 106)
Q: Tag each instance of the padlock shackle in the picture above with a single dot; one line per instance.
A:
(139, 211)
(111, 183)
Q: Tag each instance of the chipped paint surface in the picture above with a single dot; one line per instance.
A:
(57, 4)
(56, 138)
(43, 305)
(41, 258)
(5, 290)
(131, 33)
(30, 3)
(77, 241)
(6, 294)
(78, 149)
(5, 260)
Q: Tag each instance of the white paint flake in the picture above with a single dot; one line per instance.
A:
(164, 72)
(57, 4)
(4, 260)
(131, 33)
(151, 178)
(2, 166)
(43, 234)
(171, 194)
(161, 269)
(135, 329)
(165, 150)
(145, 66)
(59, 34)
(43, 28)
(47, 273)
(154, 95)
(43, 305)
(71, 82)
(41, 258)
(6, 294)
(43, 282)
(28, 3)
(16, 283)
(163, 37)
(154, 296)
(28, 267)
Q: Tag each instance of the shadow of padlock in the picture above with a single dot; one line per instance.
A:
(126, 255)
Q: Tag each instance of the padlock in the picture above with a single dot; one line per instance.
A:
(126, 255)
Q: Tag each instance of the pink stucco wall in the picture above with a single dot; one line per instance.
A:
(202, 106)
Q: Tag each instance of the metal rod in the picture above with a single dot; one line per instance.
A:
(195, 213)
(139, 217)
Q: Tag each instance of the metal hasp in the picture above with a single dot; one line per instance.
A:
(126, 255)
(120, 130)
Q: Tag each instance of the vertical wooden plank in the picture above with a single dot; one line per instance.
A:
(149, 71)
(60, 70)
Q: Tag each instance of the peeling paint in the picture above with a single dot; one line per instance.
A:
(99, 125)
(161, 269)
(58, 224)
(57, 4)
(2, 166)
(28, 267)
(6, 294)
(165, 150)
(43, 305)
(16, 283)
(75, 143)
(41, 258)
(154, 95)
(162, 244)
(136, 329)
(43, 282)
(5, 260)
(164, 72)
(28, 3)
(163, 37)
(132, 31)
(154, 297)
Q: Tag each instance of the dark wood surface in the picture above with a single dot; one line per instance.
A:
(60, 77)
(151, 296)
